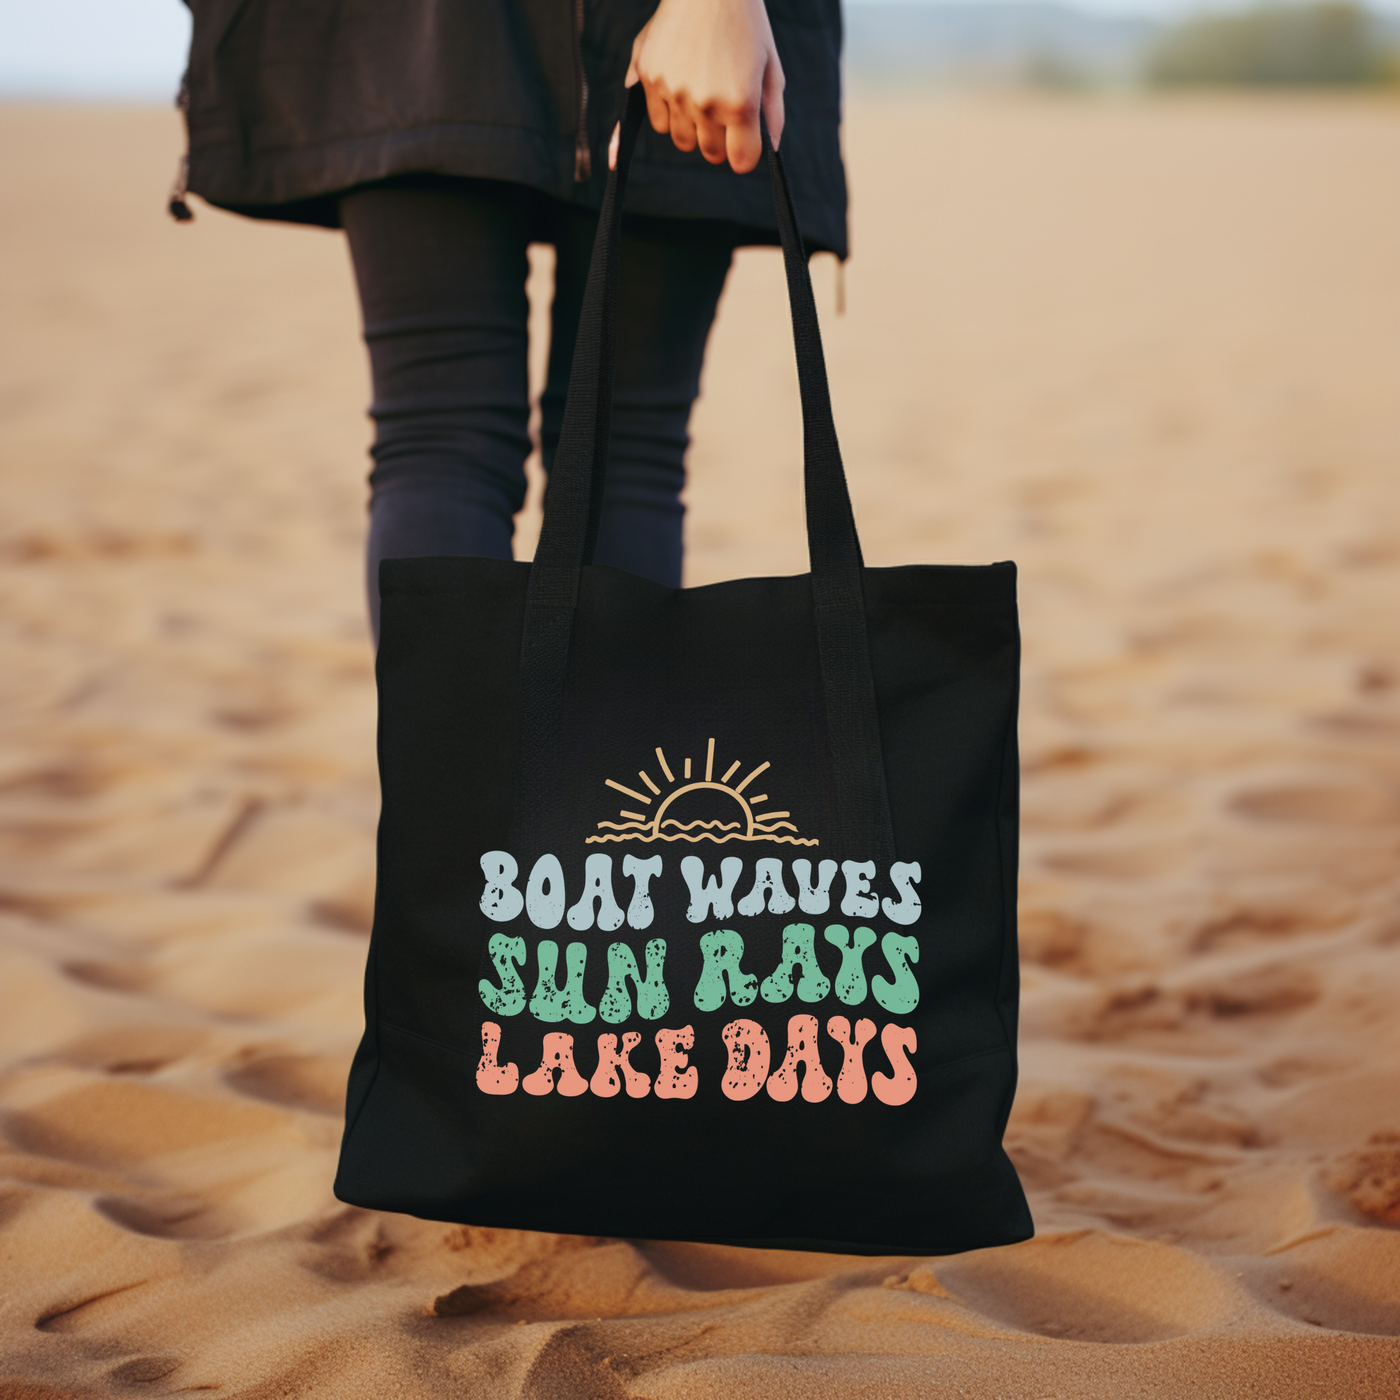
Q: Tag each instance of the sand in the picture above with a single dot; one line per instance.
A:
(1151, 351)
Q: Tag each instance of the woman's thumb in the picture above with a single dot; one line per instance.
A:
(634, 75)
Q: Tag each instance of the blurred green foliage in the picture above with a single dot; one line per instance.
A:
(1333, 43)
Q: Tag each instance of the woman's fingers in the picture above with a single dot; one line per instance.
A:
(712, 136)
(720, 135)
(682, 128)
(743, 144)
(659, 111)
(690, 128)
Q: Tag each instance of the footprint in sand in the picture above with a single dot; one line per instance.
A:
(350, 909)
(1259, 991)
(1050, 938)
(1093, 1287)
(133, 1049)
(1317, 804)
(1114, 862)
(117, 1123)
(343, 915)
(109, 976)
(141, 1370)
(1140, 1008)
(167, 1217)
(72, 780)
(314, 1082)
(1344, 1279)
(1248, 927)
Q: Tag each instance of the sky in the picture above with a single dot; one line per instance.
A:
(135, 49)
(93, 48)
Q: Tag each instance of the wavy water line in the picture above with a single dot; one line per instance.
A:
(765, 828)
(718, 840)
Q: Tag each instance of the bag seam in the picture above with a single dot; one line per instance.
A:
(426, 1039)
(1001, 871)
(370, 1026)
(369, 1092)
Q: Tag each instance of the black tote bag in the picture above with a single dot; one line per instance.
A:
(696, 907)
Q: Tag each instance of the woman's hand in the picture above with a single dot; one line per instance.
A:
(709, 67)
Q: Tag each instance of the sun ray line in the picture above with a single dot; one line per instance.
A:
(627, 792)
(773, 816)
(636, 816)
(710, 763)
(752, 776)
(665, 767)
(729, 772)
(687, 770)
(762, 797)
(642, 775)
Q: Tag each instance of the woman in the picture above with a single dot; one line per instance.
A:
(445, 136)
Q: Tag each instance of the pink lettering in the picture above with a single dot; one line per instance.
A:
(493, 1078)
(558, 1056)
(897, 1088)
(850, 1083)
(801, 1049)
(675, 1081)
(747, 1043)
(605, 1082)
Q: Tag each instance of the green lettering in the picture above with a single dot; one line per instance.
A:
(722, 951)
(509, 997)
(901, 995)
(653, 999)
(798, 951)
(850, 981)
(549, 1002)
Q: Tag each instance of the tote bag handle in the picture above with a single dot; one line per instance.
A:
(574, 502)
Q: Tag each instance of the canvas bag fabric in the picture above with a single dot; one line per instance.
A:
(695, 914)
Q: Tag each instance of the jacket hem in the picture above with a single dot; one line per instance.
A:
(303, 185)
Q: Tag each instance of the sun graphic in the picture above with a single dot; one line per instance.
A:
(745, 825)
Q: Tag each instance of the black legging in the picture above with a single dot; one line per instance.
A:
(441, 267)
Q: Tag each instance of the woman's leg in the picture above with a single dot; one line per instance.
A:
(441, 267)
(672, 273)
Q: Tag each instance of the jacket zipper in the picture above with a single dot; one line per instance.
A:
(583, 160)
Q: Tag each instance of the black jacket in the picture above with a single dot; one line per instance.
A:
(290, 102)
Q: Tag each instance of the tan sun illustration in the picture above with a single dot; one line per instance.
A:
(745, 825)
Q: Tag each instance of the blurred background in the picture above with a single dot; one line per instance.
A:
(134, 49)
